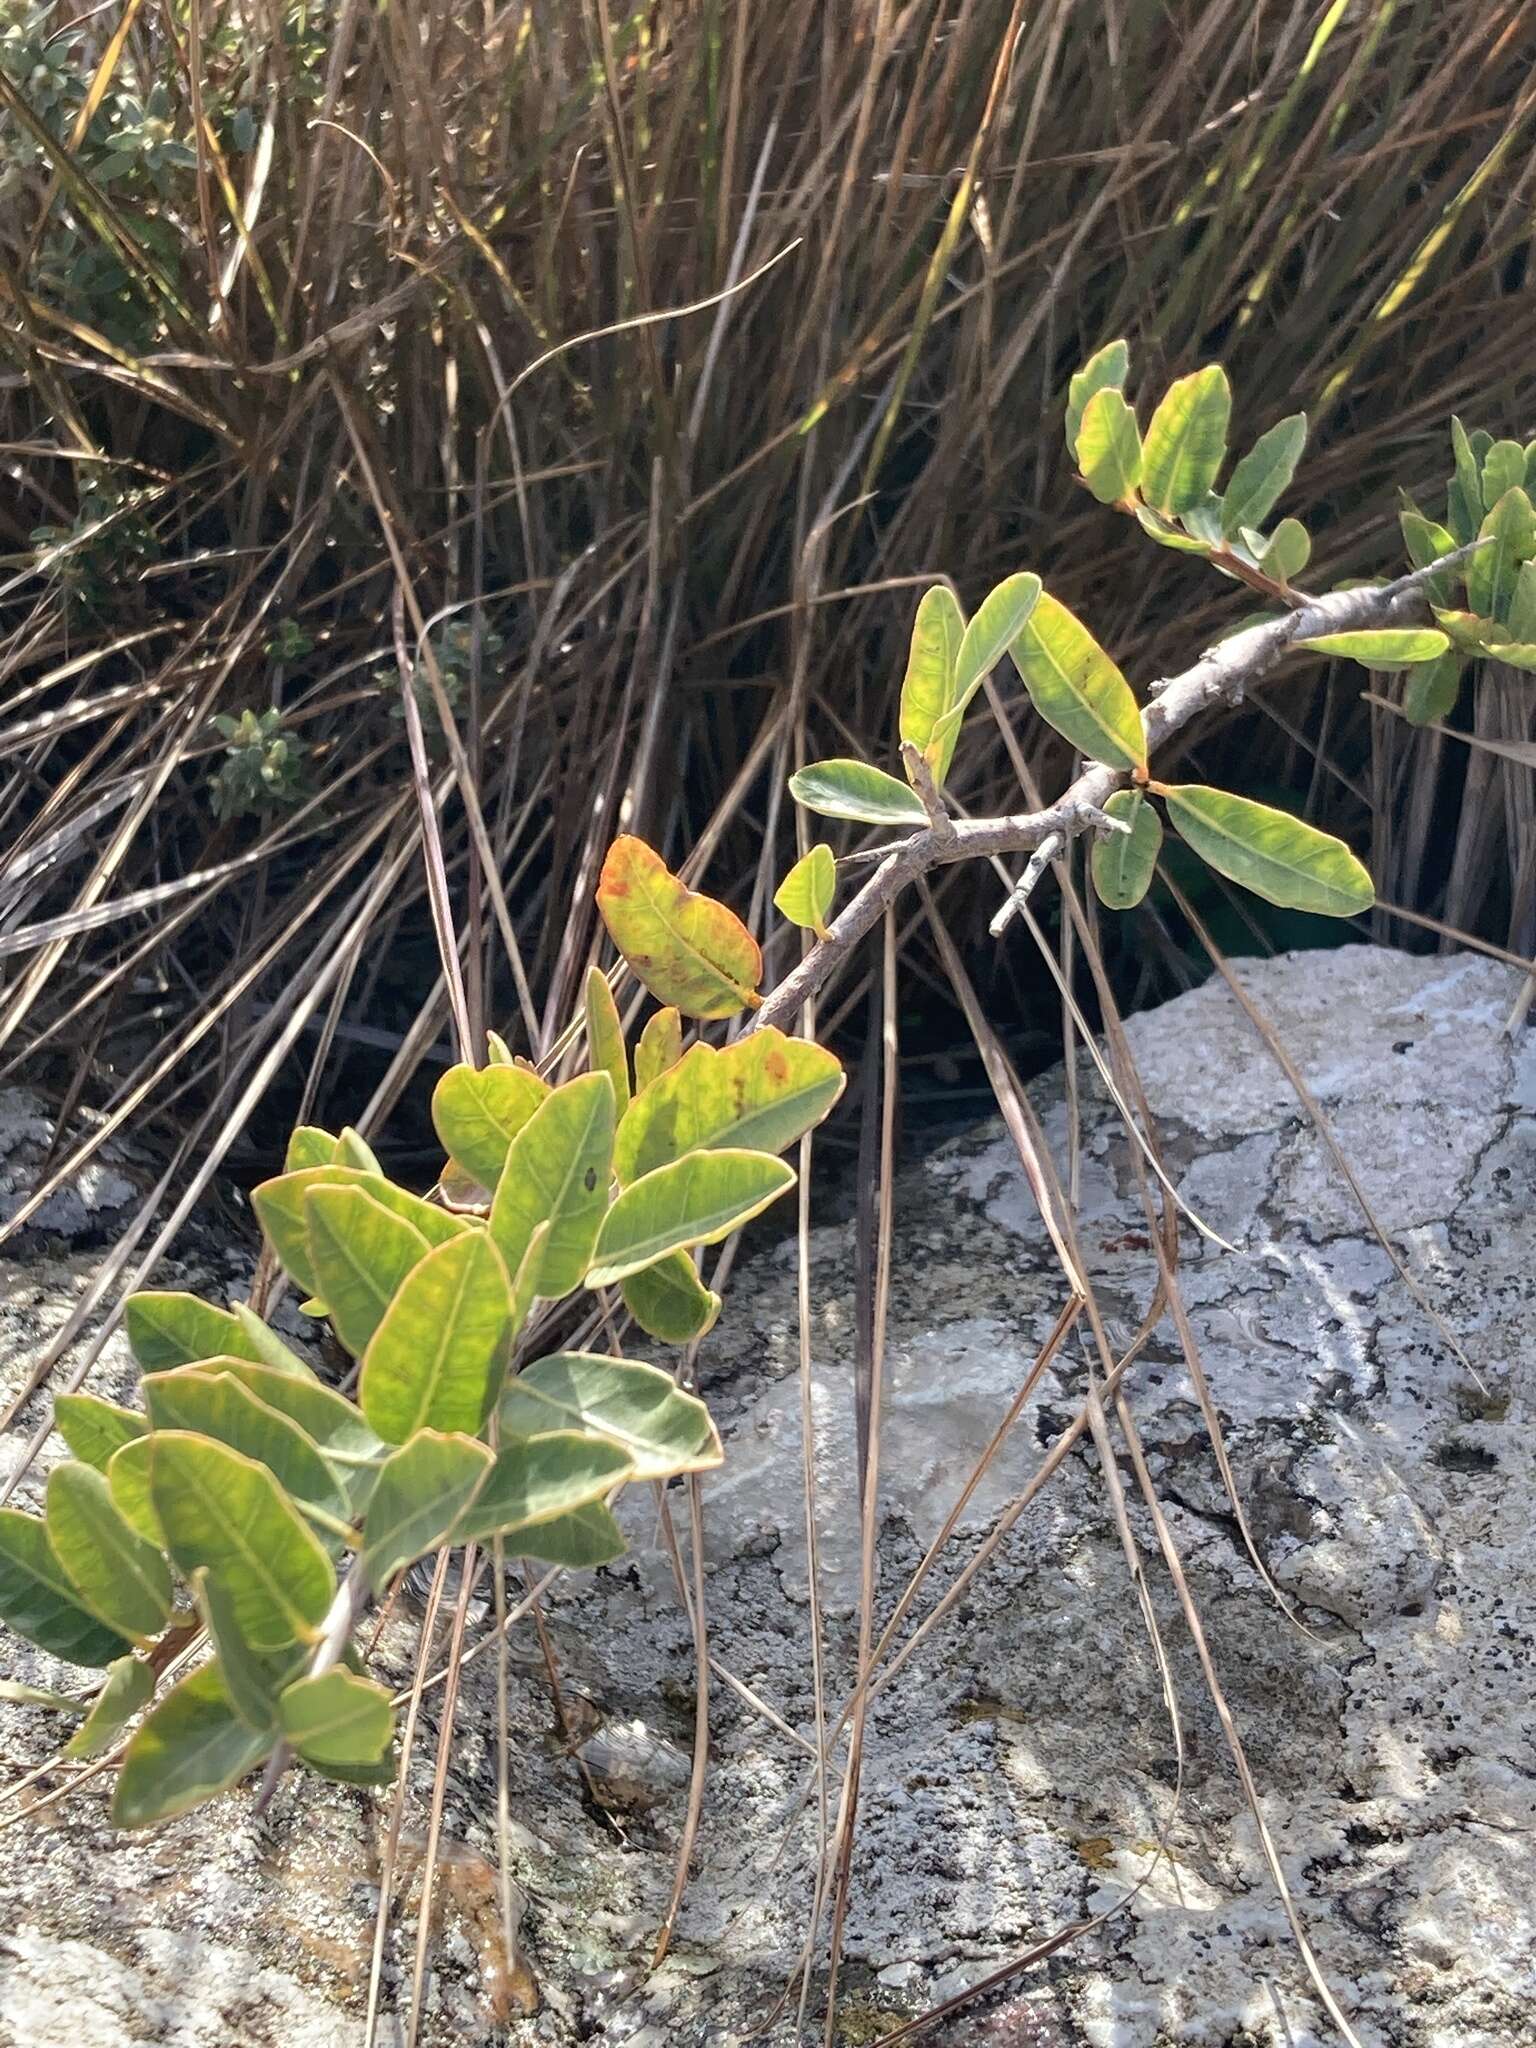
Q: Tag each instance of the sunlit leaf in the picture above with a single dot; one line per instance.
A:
(1168, 535)
(1263, 475)
(418, 1500)
(558, 1172)
(1510, 535)
(927, 689)
(758, 1094)
(805, 894)
(534, 1479)
(1464, 498)
(660, 1046)
(128, 1482)
(1122, 863)
(1432, 690)
(1522, 604)
(94, 1428)
(337, 1718)
(116, 1575)
(857, 790)
(1076, 688)
(1466, 630)
(695, 1200)
(605, 1038)
(167, 1330)
(478, 1111)
(309, 1146)
(129, 1687)
(221, 1406)
(225, 1512)
(326, 1417)
(636, 1406)
(1503, 470)
(998, 621)
(1109, 448)
(1278, 857)
(440, 1352)
(359, 1254)
(251, 1681)
(1187, 440)
(38, 1599)
(1382, 648)
(1105, 370)
(687, 949)
(670, 1302)
(1426, 542)
(279, 1206)
(191, 1747)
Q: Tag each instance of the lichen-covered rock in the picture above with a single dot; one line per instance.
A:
(1020, 1770)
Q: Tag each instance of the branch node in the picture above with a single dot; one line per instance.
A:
(1039, 861)
(921, 778)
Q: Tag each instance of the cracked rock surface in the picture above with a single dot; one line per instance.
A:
(1021, 1769)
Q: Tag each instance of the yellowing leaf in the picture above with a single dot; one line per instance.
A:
(1105, 370)
(359, 1253)
(1187, 441)
(1382, 648)
(557, 1173)
(440, 1352)
(697, 1199)
(167, 1330)
(1509, 534)
(1273, 854)
(605, 1039)
(854, 789)
(1076, 688)
(1109, 448)
(760, 1093)
(999, 617)
(279, 1206)
(1122, 863)
(660, 1047)
(93, 1428)
(927, 687)
(805, 894)
(478, 1111)
(687, 949)
(221, 1406)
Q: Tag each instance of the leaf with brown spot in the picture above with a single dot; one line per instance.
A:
(689, 950)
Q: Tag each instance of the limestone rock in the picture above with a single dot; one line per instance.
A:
(1021, 1767)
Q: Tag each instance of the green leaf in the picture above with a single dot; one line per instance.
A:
(805, 894)
(225, 1512)
(1263, 475)
(16, 1693)
(167, 1330)
(758, 1094)
(687, 949)
(1287, 551)
(1382, 648)
(353, 1149)
(1203, 521)
(1432, 690)
(1426, 542)
(192, 1747)
(93, 1428)
(128, 1482)
(478, 1111)
(558, 1172)
(605, 1039)
(670, 1302)
(266, 1347)
(1076, 688)
(586, 1537)
(1122, 863)
(129, 1687)
(1105, 370)
(279, 1206)
(1514, 654)
(421, 1494)
(117, 1576)
(326, 1417)
(660, 1047)
(1522, 604)
(638, 1407)
(695, 1200)
(440, 1353)
(359, 1254)
(1187, 440)
(537, 1478)
(998, 622)
(1503, 470)
(219, 1405)
(337, 1718)
(309, 1146)
(927, 689)
(854, 789)
(1276, 856)
(251, 1681)
(497, 1051)
(39, 1601)
(1109, 448)
(1510, 533)
(1465, 495)
(1167, 535)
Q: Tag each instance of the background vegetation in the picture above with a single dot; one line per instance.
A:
(346, 343)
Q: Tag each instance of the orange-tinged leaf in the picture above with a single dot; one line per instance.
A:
(689, 950)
